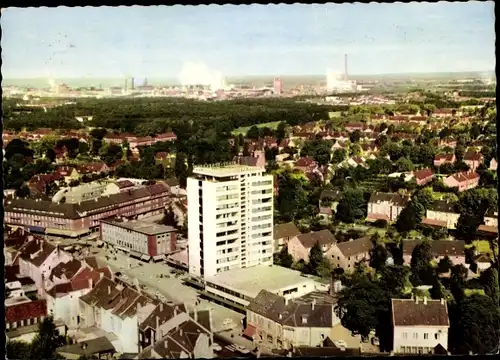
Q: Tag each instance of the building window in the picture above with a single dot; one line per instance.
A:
(415, 336)
(436, 336)
(405, 335)
(426, 336)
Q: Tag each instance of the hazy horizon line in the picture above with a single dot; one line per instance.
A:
(253, 75)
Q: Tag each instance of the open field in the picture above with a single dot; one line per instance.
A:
(243, 130)
(482, 246)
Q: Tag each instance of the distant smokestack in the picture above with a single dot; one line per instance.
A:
(346, 77)
(132, 84)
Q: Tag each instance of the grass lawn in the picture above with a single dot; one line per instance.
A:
(469, 292)
(243, 130)
(482, 246)
(440, 196)
(334, 114)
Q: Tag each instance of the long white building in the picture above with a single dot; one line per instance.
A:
(230, 219)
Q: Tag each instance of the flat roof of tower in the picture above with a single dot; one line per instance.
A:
(223, 170)
(250, 281)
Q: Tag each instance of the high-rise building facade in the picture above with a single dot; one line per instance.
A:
(278, 86)
(230, 218)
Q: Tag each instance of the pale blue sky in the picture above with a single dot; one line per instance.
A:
(248, 40)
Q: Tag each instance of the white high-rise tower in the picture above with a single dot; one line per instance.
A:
(230, 218)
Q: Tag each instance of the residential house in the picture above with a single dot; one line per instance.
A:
(93, 168)
(305, 164)
(16, 284)
(63, 272)
(491, 218)
(96, 348)
(369, 148)
(385, 206)
(347, 254)
(278, 323)
(351, 127)
(463, 180)
(300, 246)
(423, 176)
(493, 164)
(473, 159)
(22, 319)
(419, 325)
(448, 142)
(149, 327)
(63, 299)
(442, 213)
(258, 158)
(482, 261)
(356, 161)
(338, 145)
(328, 202)
(37, 258)
(454, 249)
(181, 337)
(282, 235)
(169, 136)
(114, 307)
(441, 159)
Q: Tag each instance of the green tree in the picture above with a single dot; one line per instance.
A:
(181, 169)
(362, 306)
(253, 133)
(444, 265)
(19, 350)
(169, 217)
(46, 341)
(395, 279)
(410, 217)
(403, 164)
(355, 136)
(284, 258)
(338, 156)
(420, 263)
(378, 256)
(315, 258)
(490, 284)
(437, 290)
(352, 206)
(475, 326)
(281, 131)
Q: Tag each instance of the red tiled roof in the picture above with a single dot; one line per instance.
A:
(473, 156)
(433, 222)
(304, 161)
(465, 176)
(447, 157)
(407, 312)
(423, 174)
(25, 311)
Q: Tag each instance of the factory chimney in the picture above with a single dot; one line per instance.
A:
(346, 78)
(132, 88)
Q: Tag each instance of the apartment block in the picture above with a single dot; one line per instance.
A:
(230, 218)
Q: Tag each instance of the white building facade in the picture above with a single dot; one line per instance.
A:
(230, 219)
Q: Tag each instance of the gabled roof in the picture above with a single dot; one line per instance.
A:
(297, 313)
(25, 311)
(473, 156)
(164, 312)
(389, 197)
(285, 230)
(68, 269)
(407, 312)
(438, 247)
(423, 174)
(355, 247)
(36, 251)
(305, 161)
(323, 237)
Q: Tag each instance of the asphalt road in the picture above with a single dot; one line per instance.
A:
(171, 288)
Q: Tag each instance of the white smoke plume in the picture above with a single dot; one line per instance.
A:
(198, 73)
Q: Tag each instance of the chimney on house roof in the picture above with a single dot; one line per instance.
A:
(157, 323)
(180, 332)
(175, 310)
(109, 290)
(313, 304)
(91, 283)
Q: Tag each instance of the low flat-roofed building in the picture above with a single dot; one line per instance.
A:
(143, 239)
(238, 287)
